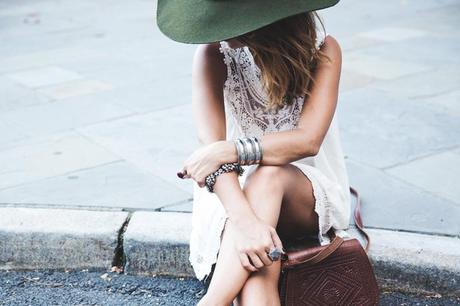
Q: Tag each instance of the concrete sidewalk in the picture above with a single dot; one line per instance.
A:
(95, 121)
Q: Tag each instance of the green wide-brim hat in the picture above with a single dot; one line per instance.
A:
(206, 21)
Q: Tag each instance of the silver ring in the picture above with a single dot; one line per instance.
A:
(274, 254)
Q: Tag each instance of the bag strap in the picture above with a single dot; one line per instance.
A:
(358, 220)
(336, 241)
(331, 247)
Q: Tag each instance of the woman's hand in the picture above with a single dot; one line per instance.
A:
(206, 160)
(253, 239)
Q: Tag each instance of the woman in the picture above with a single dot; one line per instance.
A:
(271, 74)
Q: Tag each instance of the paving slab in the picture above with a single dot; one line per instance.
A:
(74, 89)
(391, 203)
(59, 154)
(389, 13)
(46, 119)
(440, 20)
(440, 80)
(35, 238)
(350, 42)
(10, 134)
(457, 151)
(158, 142)
(145, 97)
(436, 173)
(379, 67)
(448, 103)
(16, 96)
(413, 52)
(44, 76)
(351, 79)
(392, 34)
(186, 206)
(390, 129)
(59, 56)
(114, 185)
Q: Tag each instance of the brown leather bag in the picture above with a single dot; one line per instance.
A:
(338, 274)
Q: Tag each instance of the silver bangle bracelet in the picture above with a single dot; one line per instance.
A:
(242, 155)
(250, 157)
(255, 149)
(249, 150)
(259, 149)
(238, 150)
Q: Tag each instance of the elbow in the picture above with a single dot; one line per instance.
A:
(312, 148)
(308, 144)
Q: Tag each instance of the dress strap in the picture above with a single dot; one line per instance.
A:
(228, 52)
(230, 55)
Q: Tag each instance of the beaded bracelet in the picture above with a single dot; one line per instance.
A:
(227, 167)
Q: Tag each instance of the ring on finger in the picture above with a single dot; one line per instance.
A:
(274, 254)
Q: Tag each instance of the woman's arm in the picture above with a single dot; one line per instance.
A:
(208, 76)
(316, 116)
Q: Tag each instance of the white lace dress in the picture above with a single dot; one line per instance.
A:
(244, 102)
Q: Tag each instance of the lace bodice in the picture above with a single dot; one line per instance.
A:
(246, 99)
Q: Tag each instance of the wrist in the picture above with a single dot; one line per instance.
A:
(226, 152)
(241, 214)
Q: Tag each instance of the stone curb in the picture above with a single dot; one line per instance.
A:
(415, 262)
(42, 238)
(157, 243)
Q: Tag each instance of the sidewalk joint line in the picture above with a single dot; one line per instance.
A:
(119, 258)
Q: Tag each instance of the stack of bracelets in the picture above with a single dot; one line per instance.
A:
(249, 152)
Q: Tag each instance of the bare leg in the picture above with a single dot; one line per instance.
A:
(276, 193)
(296, 218)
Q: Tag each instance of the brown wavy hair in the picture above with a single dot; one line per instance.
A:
(286, 54)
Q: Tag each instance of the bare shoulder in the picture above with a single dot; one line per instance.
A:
(207, 50)
(209, 60)
(332, 49)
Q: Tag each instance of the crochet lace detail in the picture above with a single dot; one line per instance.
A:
(246, 98)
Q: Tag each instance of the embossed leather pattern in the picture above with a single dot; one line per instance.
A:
(338, 274)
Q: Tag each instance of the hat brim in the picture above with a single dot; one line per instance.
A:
(207, 21)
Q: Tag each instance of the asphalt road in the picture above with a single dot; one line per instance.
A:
(100, 288)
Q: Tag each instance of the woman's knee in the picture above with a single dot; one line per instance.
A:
(265, 176)
(268, 170)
